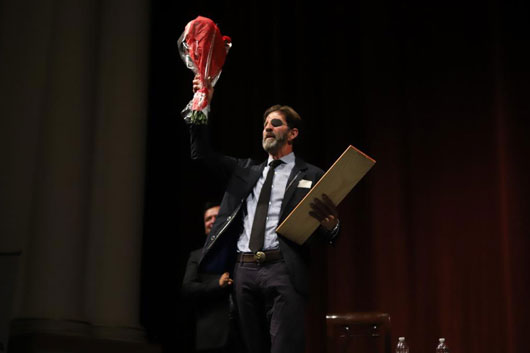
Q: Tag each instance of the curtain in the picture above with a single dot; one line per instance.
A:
(436, 234)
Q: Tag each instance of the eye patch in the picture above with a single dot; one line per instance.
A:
(275, 122)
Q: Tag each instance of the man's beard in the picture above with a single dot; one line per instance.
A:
(273, 145)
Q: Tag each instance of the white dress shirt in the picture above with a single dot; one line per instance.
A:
(279, 182)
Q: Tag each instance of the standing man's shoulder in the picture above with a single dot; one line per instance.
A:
(249, 163)
(315, 168)
(311, 168)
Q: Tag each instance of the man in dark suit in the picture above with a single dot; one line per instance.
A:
(215, 318)
(270, 271)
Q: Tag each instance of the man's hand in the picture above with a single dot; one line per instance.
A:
(225, 280)
(325, 212)
(197, 85)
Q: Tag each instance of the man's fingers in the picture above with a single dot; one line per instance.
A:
(321, 207)
(225, 280)
(330, 206)
(318, 216)
(324, 211)
(316, 210)
(196, 86)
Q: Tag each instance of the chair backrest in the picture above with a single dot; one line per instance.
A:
(364, 332)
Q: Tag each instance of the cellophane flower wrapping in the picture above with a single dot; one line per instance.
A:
(203, 49)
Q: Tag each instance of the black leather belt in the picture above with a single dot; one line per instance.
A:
(260, 257)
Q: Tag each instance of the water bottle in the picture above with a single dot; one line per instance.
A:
(402, 346)
(442, 347)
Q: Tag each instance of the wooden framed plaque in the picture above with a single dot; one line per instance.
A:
(337, 182)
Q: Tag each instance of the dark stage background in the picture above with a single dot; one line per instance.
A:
(437, 92)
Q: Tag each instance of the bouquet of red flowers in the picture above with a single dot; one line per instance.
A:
(204, 50)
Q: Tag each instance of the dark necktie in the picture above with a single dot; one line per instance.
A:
(257, 235)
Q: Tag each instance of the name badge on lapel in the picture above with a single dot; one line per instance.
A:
(306, 184)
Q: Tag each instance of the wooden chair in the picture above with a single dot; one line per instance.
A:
(358, 333)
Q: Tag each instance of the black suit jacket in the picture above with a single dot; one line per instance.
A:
(219, 251)
(211, 305)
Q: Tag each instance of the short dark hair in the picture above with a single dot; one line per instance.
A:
(292, 118)
(209, 204)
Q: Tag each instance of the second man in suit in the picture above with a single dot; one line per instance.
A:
(211, 297)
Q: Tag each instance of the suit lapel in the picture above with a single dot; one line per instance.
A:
(298, 172)
(252, 176)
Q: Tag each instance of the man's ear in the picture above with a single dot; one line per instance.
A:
(293, 133)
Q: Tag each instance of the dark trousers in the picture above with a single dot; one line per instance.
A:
(271, 312)
(234, 341)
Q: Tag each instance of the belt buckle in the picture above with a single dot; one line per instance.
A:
(260, 257)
